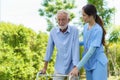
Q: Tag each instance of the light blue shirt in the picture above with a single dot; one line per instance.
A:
(67, 45)
(93, 38)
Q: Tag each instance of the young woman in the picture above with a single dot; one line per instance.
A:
(94, 60)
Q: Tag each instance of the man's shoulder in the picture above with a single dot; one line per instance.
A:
(73, 27)
(54, 29)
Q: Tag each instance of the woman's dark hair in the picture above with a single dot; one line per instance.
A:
(90, 10)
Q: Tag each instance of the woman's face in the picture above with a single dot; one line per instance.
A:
(86, 18)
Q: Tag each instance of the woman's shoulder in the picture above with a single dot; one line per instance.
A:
(86, 26)
(97, 27)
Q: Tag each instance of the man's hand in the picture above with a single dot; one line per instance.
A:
(43, 71)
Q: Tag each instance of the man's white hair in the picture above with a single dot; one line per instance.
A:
(63, 12)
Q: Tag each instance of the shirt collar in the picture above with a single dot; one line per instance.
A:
(68, 30)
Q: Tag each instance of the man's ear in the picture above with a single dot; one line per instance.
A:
(56, 19)
(69, 20)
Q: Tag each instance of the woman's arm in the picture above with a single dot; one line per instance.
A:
(75, 70)
(86, 57)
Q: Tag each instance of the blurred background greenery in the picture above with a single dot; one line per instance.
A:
(22, 50)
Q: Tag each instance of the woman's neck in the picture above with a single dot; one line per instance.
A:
(91, 24)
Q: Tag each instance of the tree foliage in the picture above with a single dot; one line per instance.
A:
(50, 7)
(113, 50)
(103, 11)
(114, 35)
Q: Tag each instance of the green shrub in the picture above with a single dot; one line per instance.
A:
(21, 52)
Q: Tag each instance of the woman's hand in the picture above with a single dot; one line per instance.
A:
(74, 72)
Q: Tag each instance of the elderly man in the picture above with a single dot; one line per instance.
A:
(65, 38)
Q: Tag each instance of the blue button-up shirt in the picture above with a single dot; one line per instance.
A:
(67, 45)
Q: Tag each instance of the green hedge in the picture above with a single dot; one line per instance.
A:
(21, 52)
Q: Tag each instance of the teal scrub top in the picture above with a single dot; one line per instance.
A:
(93, 38)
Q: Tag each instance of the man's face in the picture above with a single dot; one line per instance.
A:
(62, 20)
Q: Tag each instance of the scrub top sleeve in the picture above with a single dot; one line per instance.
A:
(97, 39)
(81, 43)
(86, 57)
